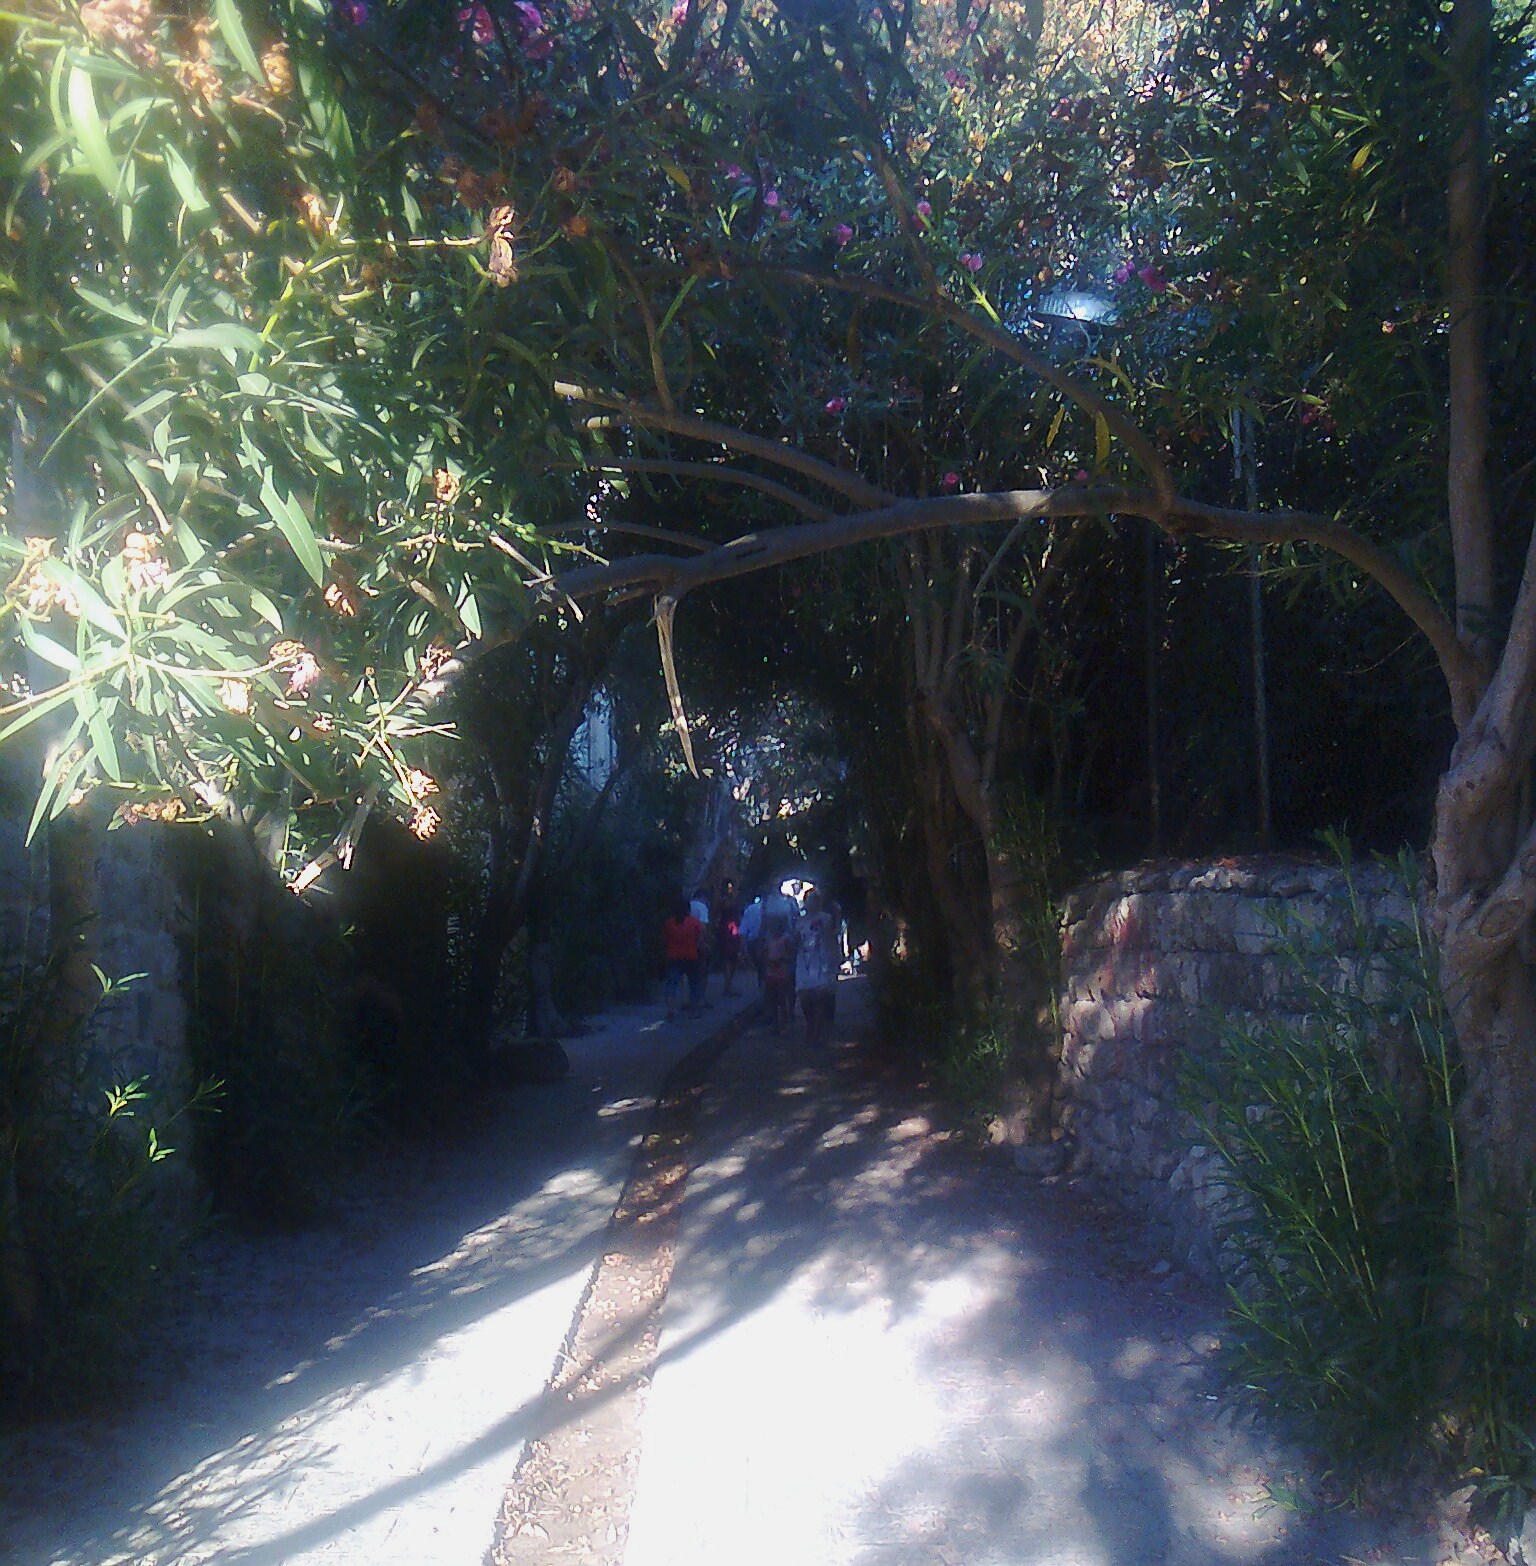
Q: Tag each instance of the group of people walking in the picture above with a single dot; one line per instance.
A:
(794, 947)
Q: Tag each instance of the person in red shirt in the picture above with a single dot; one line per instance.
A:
(681, 937)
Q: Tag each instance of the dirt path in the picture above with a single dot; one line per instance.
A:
(818, 1331)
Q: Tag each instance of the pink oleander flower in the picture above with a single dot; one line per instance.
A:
(950, 481)
(680, 13)
(972, 262)
(956, 78)
(836, 405)
(842, 234)
(735, 171)
(1122, 273)
(770, 198)
(351, 13)
(924, 209)
(478, 20)
(304, 675)
(1153, 277)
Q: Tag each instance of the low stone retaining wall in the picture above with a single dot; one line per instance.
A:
(1152, 961)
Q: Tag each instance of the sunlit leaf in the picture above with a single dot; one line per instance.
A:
(85, 121)
(294, 526)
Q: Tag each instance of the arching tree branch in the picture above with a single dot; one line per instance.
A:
(720, 473)
(779, 452)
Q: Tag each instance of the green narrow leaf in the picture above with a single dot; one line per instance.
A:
(1100, 440)
(1055, 429)
(46, 648)
(93, 606)
(238, 39)
(98, 722)
(225, 334)
(185, 181)
(676, 305)
(85, 120)
(142, 410)
(31, 715)
(266, 609)
(294, 526)
(111, 307)
(59, 781)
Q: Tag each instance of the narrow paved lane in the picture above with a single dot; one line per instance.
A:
(360, 1393)
(881, 1348)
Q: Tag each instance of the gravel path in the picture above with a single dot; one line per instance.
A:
(880, 1348)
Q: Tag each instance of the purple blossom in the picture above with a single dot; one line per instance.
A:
(537, 43)
(680, 13)
(842, 234)
(972, 262)
(770, 198)
(924, 210)
(836, 405)
(350, 13)
(1122, 273)
(956, 78)
(1153, 277)
(950, 481)
(736, 172)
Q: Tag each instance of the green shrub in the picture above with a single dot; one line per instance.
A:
(975, 1064)
(89, 1213)
(1354, 1314)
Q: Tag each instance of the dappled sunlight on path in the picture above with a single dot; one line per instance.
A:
(882, 1348)
(359, 1392)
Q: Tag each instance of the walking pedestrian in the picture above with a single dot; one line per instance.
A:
(681, 936)
(779, 971)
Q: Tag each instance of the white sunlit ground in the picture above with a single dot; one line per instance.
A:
(360, 1393)
(880, 1349)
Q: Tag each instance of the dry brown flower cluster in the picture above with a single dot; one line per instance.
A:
(126, 23)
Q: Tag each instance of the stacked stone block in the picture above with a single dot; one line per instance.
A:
(1153, 961)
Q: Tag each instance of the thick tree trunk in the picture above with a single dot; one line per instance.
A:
(1487, 976)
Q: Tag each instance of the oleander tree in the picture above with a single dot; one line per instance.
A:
(335, 334)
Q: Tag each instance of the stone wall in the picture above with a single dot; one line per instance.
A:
(141, 1031)
(1152, 960)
